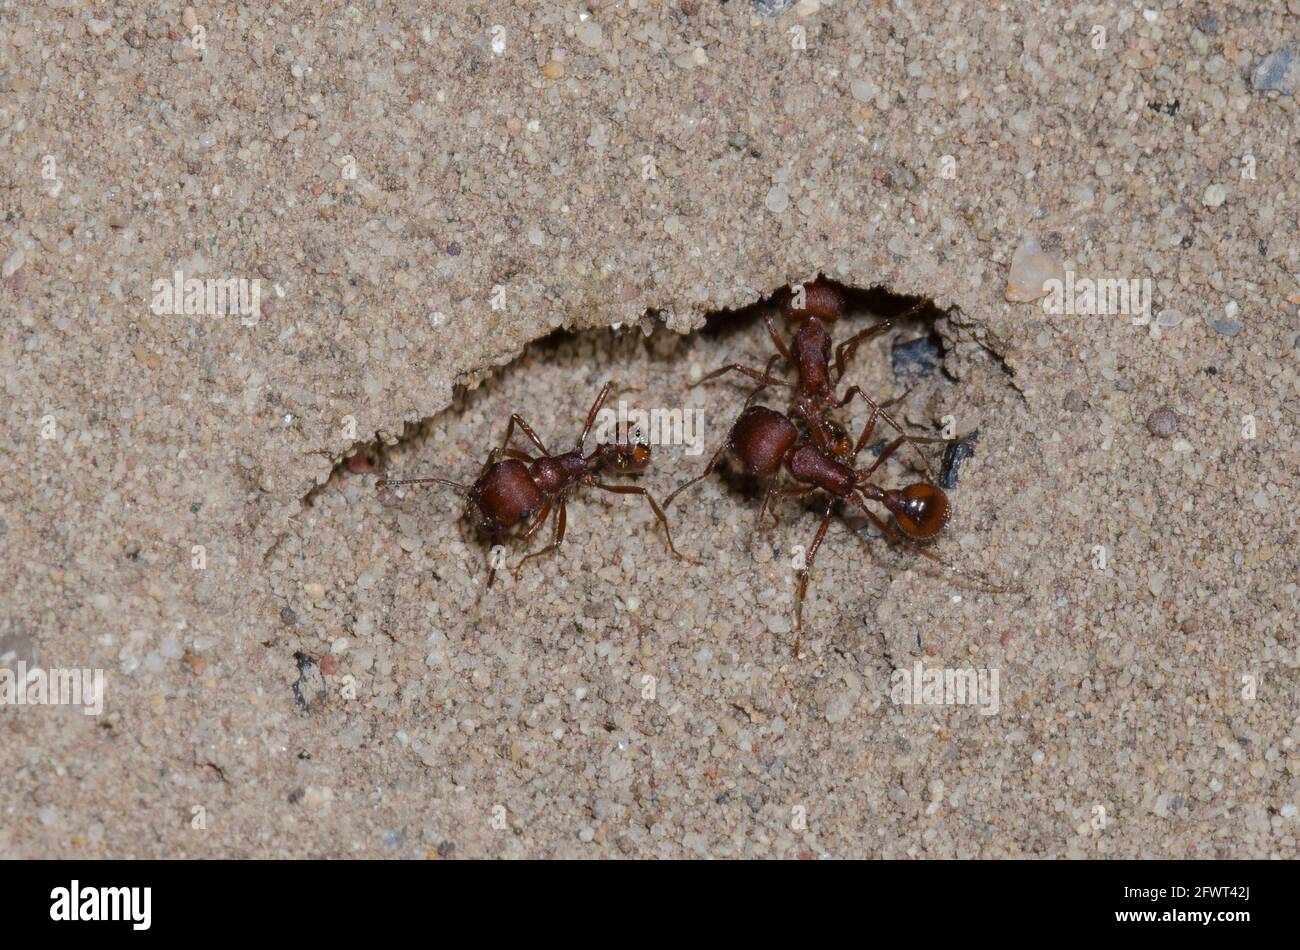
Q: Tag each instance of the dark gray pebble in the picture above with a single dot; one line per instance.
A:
(953, 456)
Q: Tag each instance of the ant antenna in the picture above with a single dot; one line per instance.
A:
(390, 482)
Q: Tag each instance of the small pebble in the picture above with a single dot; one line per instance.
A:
(778, 199)
(282, 124)
(1215, 195)
(13, 262)
(839, 708)
(589, 33)
(99, 27)
(1278, 72)
(1031, 268)
(953, 456)
(1162, 423)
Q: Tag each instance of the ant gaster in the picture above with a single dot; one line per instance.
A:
(515, 488)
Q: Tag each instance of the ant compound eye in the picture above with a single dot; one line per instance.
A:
(921, 510)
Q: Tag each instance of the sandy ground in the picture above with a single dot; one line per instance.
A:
(298, 666)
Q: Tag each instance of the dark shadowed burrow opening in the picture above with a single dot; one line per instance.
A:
(918, 349)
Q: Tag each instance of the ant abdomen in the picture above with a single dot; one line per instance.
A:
(920, 510)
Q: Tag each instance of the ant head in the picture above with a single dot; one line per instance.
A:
(841, 442)
(820, 299)
(630, 457)
(921, 510)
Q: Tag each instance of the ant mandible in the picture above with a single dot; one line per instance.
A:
(514, 488)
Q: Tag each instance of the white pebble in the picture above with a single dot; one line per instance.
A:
(590, 34)
(13, 262)
(1031, 268)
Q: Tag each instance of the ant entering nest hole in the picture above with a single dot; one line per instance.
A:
(916, 375)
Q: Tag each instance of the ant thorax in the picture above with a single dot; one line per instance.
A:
(812, 354)
(554, 473)
(808, 465)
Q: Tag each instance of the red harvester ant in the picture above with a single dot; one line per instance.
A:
(809, 308)
(764, 441)
(514, 487)
(817, 451)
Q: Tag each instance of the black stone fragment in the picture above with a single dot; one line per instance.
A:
(953, 456)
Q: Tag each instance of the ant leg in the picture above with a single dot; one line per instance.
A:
(804, 574)
(763, 378)
(518, 420)
(878, 410)
(497, 454)
(794, 491)
(866, 434)
(591, 416)
(894, 536)
(893, 447)
(817, 427)
(776, 337)
(527, 535)
(663, 519)
(767, 371)
(557, 538)
(846, 350)
(767, 507)
(763, 509)
(537, 522)
(492, 570)
(708, 470)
